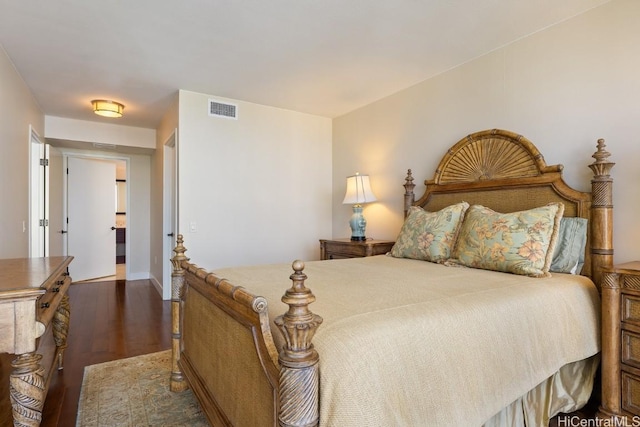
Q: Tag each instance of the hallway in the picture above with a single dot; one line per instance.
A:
(121, 274)
(109, 320)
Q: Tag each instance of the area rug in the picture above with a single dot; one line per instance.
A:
(135, 392)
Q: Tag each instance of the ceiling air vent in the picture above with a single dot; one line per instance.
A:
(222, 109)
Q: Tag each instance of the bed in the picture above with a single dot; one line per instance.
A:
(413, 338)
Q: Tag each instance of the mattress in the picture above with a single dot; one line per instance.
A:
(413, 343)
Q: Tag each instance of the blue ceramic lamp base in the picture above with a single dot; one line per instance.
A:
(357, 224)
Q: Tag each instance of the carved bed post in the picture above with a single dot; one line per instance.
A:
(601, 213)
(409, 197)
(611, 391)
(177, 382)
(298, 393)
(605, 280)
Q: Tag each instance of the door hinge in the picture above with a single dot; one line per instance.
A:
(44, 162)
(44, 223)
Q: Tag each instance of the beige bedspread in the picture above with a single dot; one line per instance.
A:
(412, 343)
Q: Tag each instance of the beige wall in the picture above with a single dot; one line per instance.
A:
(563, 88)
(258, 188)
(266, 187)
(17, 112)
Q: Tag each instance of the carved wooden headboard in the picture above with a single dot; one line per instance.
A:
(505, 172)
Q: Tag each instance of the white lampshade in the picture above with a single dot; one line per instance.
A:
(358, 190)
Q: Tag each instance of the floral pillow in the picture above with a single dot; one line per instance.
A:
(429, 236)
(519, 242)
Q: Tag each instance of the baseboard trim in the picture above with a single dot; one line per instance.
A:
(156, 284)
(138, 276)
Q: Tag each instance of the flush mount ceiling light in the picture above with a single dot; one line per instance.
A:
(105, 108)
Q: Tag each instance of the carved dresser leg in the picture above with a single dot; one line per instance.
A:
(61, 327)
(298, 394)
(27, 390)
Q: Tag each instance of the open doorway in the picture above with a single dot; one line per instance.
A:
(96, 217)
(138, 197)
(122, 196)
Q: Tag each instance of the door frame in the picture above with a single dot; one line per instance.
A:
(169, 209)
(65, 195)
(38, 195)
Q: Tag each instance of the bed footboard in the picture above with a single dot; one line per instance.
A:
(223, 349)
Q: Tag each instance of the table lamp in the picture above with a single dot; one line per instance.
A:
(358, 192)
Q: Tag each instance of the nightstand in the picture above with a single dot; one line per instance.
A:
(346, 248)
(620, 290)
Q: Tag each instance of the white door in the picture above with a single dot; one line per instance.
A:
(91, 198)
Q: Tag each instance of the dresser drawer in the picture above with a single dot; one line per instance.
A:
(49, 301)
(630, 393)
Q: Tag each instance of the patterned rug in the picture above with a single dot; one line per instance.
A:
(135, 392)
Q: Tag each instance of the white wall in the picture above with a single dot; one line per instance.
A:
(258, 188)
(103, 133)
(167, 126)
(563, 88)
(138, 214)
(17, 112)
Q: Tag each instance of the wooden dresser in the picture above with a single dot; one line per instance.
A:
(621, 342)
(346, 248)
(34, 322)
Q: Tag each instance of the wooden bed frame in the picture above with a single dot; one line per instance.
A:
(263, 385)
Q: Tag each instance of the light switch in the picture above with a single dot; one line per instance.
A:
(192, 227)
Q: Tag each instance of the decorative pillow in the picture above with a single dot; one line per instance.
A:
(519, 242)
(568, 257)
(429, 236)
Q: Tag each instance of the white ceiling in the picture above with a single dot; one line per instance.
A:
(325, 57)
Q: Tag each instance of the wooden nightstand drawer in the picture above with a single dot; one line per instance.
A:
(630, 307)
(631, 348)
(346, 251)
(630, 393)
(345, 248)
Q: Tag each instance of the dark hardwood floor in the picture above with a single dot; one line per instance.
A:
(109, 321)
